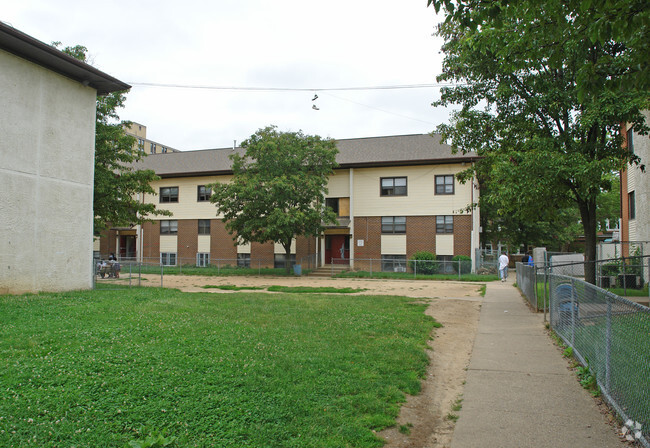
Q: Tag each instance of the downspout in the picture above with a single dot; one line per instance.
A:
(352, 245)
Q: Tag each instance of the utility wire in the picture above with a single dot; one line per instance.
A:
(288, 89)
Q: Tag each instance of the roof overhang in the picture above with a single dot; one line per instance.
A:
(40, 53)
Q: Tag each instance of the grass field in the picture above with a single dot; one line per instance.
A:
(103, 368)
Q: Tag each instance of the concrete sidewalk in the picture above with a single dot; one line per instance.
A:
(519, 392)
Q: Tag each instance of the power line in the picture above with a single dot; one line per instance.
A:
(289, 89)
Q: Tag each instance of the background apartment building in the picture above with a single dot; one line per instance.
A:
(393, 196)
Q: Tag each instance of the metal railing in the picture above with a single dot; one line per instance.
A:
(610, 336)
(400, 265)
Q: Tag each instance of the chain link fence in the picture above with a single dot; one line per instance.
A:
(611, 337)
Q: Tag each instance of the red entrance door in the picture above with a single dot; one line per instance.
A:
(337, 249)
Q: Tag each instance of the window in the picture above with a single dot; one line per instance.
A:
(445, 224)
(141, 144)
(393, 224)
(202, 259)
(168, 194)
(631, 203)
(393, 263)
(393, 186)
(164, 149)
(203, 193)
(153, 148)
(244, 260)
(333, 203)
(280, 260)
(446, 265)
(630, 140)
(169, 227)
(204, 227)
(168, 258)
(445, 184)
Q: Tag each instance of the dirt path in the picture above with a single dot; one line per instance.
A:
(454, 304)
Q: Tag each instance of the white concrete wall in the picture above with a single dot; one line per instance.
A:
(47, 140)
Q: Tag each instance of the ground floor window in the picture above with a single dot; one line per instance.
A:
(244, 260)
(445, 265)
(280, 260)
(202, 259)
(168, 258)
(393, 263)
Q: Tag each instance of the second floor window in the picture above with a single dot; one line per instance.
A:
(631, 201)
(169, 227)
(203, 193)
(445, 224)
(393, 186)
(169, 194)
(445, 184)
(393, 224)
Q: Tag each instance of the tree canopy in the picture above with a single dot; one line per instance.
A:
(541, 101)
(278, 188)
(118, 186)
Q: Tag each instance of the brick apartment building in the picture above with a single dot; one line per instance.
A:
(394, 196)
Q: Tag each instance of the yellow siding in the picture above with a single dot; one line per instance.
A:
(168, 243)
(420, 199)
(339, 184)
(204, 243)
(279, 248)
(445, 244)
(187, 206)
(393, 244)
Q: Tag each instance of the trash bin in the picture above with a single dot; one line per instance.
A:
(563, 297)
(297, 269)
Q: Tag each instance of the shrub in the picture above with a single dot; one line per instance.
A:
(423, 262)
(465, 264)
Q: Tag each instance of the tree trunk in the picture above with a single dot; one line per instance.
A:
(287, 257)
(589, 224)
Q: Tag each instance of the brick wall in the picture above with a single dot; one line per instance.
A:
(107, 242)
(221, 244)
(367, 228)
(151, 240)
(420, 234)
(187, 241)
(463, 235)
(305, 246)
(263, 252)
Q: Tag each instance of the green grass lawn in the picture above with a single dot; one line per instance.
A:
(102, 368)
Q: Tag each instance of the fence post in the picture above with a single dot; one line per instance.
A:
(547, 294)
(624, 279)
(573, 312)
(162, 269)
(608, 342)
(371, 268)
(140, 274)
(130, 275)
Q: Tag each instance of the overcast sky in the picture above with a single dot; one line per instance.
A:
(281, 44)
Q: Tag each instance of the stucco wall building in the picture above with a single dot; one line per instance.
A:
(47, 129)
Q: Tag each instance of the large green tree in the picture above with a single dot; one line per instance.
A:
(118, 188)
(541, 100)
(278, 188)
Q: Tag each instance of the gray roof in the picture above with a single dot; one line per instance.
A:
(33, 50)
(417, 149)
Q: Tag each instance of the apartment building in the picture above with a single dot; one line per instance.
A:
(139, 131)
(635, 190)
(393, 195)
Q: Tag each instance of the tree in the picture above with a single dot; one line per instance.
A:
(278, 188)
(118, 187)
(550, 126)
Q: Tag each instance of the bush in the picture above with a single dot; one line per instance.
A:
(465, 264)
(423, 262)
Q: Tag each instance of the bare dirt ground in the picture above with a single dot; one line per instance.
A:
(423, 418)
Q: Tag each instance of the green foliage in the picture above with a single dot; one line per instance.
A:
(538, 100)
(118, 185)
(154, 439)
(568, 352)
(93, 368)
(278, 188)
(419, 261)
(465, 263)
(314, 289)
(588, 379)
(406, 429)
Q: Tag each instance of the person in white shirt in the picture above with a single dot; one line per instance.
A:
(503, 266)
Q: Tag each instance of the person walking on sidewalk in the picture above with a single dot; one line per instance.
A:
(503, 266)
